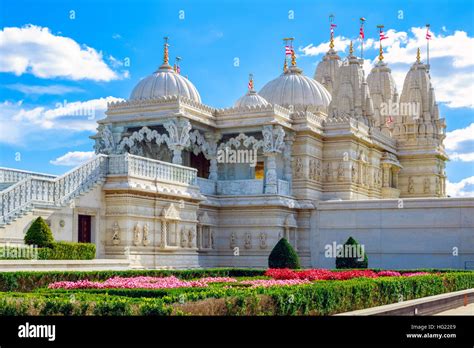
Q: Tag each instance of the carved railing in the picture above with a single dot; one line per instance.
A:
(142, 167)
(14, 175)
(53, 192)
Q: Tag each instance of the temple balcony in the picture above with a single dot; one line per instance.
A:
(246, 187)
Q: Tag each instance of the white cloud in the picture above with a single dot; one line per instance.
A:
(458, 144)
(456, 137)
(51, 89)
(340, 44)
(36, 50)
(73, 158)
(20, 124)
(463, 188)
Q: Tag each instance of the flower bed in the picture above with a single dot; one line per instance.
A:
(140, 283)
(324, 274)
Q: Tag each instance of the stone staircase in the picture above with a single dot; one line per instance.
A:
(23, 191)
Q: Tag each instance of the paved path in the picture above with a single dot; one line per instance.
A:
(464, 310)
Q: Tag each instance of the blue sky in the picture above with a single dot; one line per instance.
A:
(52, 58)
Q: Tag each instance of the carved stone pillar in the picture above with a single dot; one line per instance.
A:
(271, 174)
(287, 158)
(386, 175)
(178, 131)
(273, 144)
(212, 139)
(395, 171)
(164, 233)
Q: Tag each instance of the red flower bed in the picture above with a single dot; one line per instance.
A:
(324, 274)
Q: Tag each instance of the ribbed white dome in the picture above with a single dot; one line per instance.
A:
(165, 82)
(293, 88)
(251, 98)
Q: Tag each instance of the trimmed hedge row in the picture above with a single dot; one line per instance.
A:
(27, 281)
(68, 251)
(319, 298)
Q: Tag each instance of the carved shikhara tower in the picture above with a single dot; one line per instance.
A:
(324, 148)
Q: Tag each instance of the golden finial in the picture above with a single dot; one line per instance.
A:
(332, 25)
(293, 57)
(351, 49)
(418, 55)
(380, 53)
(165, 55)
(285, 66)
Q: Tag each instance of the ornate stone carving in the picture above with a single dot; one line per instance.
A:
(411, 185)
(426, 185)
(179, 137)
(263, 240)
(340, 171)
(183, 239)
(248, 240)
(115, 234)
(233, 240)
(437, 186)
(299, 168)
(171, 213)
(191, 235)
(273, 139)
(328, 172)
(104, 140)
(354, 172)
(146, 233)
(144, 134)
(136, 234)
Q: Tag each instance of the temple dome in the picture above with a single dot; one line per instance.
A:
(294, 88)
(165, 82)
(251, 98)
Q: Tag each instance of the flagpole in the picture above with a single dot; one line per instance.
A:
(427, 46)
(362, 20)
(380, 40)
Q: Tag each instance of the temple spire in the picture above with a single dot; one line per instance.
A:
(331, 30)
(381, 37)
(289, 51)
(165, 53)
(250, 86)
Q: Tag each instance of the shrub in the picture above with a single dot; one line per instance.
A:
(68, 251)
(39, 234)
(354, 261)
(283, 256)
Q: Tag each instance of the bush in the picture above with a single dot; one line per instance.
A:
(283, 256)
(39, 234)
(68, 251)
(354, 261)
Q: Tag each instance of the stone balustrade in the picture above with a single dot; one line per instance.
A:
(14, 175)
(142, 167)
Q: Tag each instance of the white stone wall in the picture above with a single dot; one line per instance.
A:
(397, 234)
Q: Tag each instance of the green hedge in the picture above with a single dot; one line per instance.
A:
(27, 281)
(68, 251)
(318, 298)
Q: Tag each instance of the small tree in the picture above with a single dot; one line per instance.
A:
(355, 260)
(283, 256)
(39, 234)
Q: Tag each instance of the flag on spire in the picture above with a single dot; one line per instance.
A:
(428, 35)
(382, 35)
(288, 50)
(361, 32)
(250, 85)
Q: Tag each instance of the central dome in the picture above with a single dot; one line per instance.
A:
(294, 88)
(165, 82)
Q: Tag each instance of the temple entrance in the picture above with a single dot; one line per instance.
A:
(201, 164)
(84, 229)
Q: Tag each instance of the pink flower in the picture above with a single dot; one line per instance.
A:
(271, 282)
(389, 274)
(412, 274)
